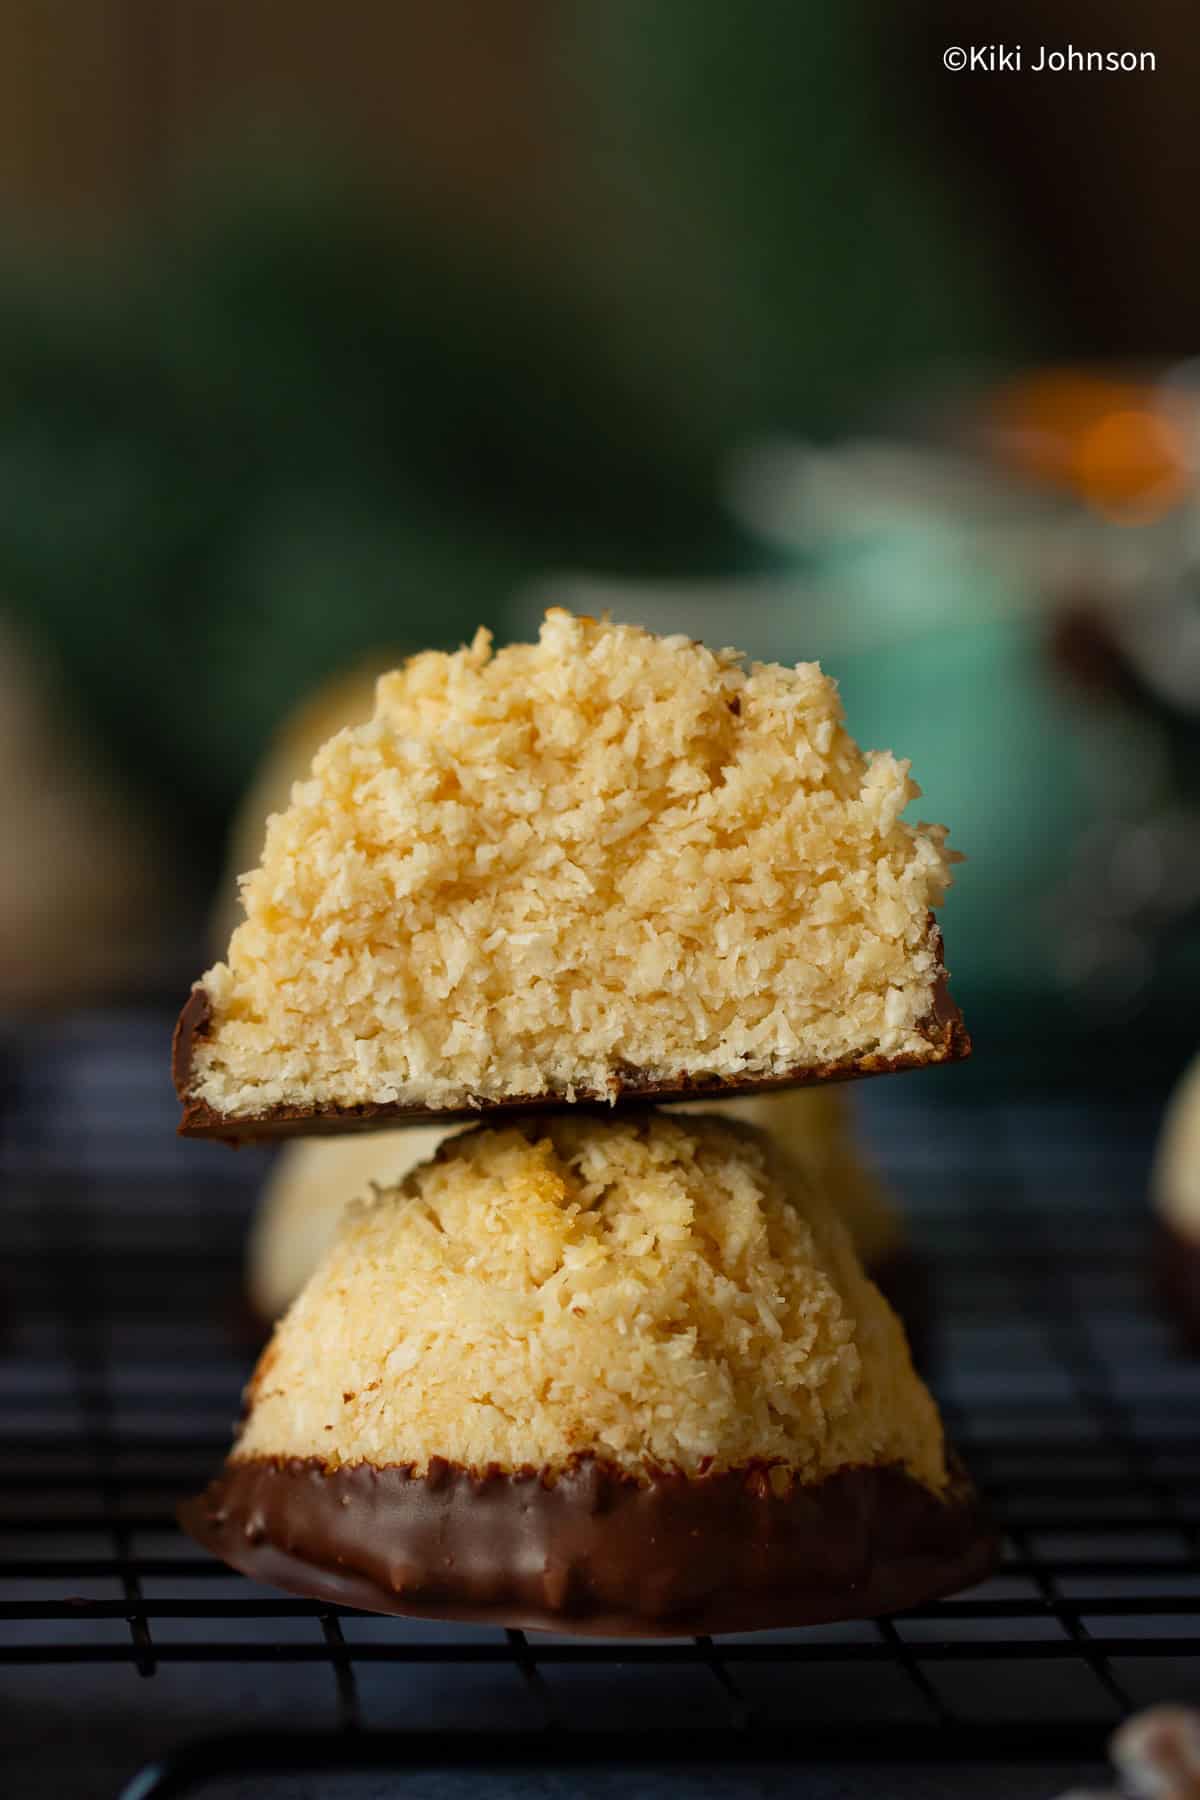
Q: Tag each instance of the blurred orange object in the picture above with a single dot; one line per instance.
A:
(1116, 443)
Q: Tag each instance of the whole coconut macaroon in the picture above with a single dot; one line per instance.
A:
(313, 1180)
(305, 1194)
(814, 1127)
(616, 1375)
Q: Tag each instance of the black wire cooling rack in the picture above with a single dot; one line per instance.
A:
(125, 1348)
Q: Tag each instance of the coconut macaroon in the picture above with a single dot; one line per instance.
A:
(347, 698)
(607, 862)
(814, 1127)
(313, 1180)
(622, 1376)
(305, 1195)
(1175, 1189)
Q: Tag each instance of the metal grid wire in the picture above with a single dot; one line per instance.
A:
(123, 1359)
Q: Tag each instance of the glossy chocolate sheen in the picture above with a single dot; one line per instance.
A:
(944, 1030)
(593, 1550)
(1177, 1279)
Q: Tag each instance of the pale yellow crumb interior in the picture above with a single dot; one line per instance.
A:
(347, 698)
(534, 871)
(652, 1289)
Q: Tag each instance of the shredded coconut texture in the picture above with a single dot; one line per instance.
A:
(814, 1128)
(534, 872)
(658, 1291)
(314, 1179)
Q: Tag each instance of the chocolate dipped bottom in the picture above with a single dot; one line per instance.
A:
(592, 1550)
(622, 1376)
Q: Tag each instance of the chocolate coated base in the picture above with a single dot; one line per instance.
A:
(1176, 1269)
(595, 1552)
(946, 1038)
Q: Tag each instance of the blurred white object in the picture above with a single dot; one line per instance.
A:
(1156, 1756)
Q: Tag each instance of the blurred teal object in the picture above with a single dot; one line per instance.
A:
(902, 581)
(936, 621)
(943, 661)
(997, 755)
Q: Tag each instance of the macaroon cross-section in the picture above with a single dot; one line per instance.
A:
(608, 864)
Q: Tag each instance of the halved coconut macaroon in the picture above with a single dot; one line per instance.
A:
(621, 1376)
(604, 864)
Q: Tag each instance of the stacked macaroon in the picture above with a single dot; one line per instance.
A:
(313, 1180)
(595, 1365)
